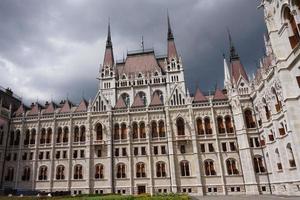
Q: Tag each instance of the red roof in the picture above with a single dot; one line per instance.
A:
(199, 97)
(138, 102)
(108, 57)
(50, 108)
(82, 106)
(237, 70)
(172, 52)
(219, 95)
(20, 111)
(141, 62)
(120, 103)
(66, 107)
(35, 109)
(156, 101)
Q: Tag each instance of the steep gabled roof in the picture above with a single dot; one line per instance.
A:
(156, 101)
(237, 70)
(199, 97)
(66, 107)
(219, 95)
(22, 109)
(50, 108)
(138, 102)
(35, 109)
(82, 107)
(120, 104)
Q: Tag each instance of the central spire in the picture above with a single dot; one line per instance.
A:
(108, 40)
(170, 33)
(233, 54)
(172, 52)
(108, 55)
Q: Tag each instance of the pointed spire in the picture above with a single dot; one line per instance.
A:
(108, 55)
(172, 52)
(199, 97)
(219, 95)
(170, 33)
(233, 54)
(226, 72)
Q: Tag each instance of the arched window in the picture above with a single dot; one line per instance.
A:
(66, 135)
(43, 136)
(271, 136)
(49, 136)
(228, 124)
(26, 174)
(140, 170)
(143, 97)
(142, 130)
(121, 170)
(231, 167)
(161, 169)
(135, 130)
(185, 168)
(17, 140)
(207, 126)
(43, 173)
(78, 172)
(278, 160)
(209, 168)
(117, 132)
(59, 135)
(99, 132)
(161, 129)
(290, 154)
(60, 172)
(154, 129)
(221, 128)
(9, 174)
(249, 119)
(82, 134)
(293, 32)
(160, 95)
(126, 99)
(258, 164)
(11, 139)
(180, 126)
(99, 171)
(76, 134)
(33, 135)
(267, 111)
(200, 129)
(123, 132)
(27, 137)
(278, 104)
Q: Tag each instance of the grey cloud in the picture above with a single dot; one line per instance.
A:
(28, 29)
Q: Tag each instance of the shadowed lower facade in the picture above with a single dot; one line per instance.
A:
(145, 133)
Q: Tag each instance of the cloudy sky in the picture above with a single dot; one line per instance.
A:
(52, 49)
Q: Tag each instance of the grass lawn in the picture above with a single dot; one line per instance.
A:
(105, 197)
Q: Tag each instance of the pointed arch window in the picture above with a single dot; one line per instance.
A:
(116, 132)
(208, 130)
(121, 170)
(161, 169)
(278, 159)
(99, 132)
(82, 134)
(43, 173)
(180, 126)
(76, 134)
(123, 132)
(185, 168)
(228, 124)
(161, 129)
(209, 168)
(142, 130)
(293, 32)
(135, 130)
(278, 104)
(26, 174)
(27, 137)
(33, 135)
(221, 127)
(78, 174)
(154, 129)
(140, 170)
(258, 164)
(66, 135)
(231, 167)
(59, 135)
(43, 136)
(291, 157)
(99, 171)
(49, 136)
(17, 140)
(60, 172)
(200, 129)
(9, 174)
(249, 119)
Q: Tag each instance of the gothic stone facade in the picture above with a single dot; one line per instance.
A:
(144, 132)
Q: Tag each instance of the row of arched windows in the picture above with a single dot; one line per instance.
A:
(291, 21)
(142, 95)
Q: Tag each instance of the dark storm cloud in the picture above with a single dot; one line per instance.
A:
(52, 49)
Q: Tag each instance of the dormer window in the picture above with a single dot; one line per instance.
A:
(156, 74)
(140, 75)
(124, 76)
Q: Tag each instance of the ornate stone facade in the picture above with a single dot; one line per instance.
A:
(144, 132)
